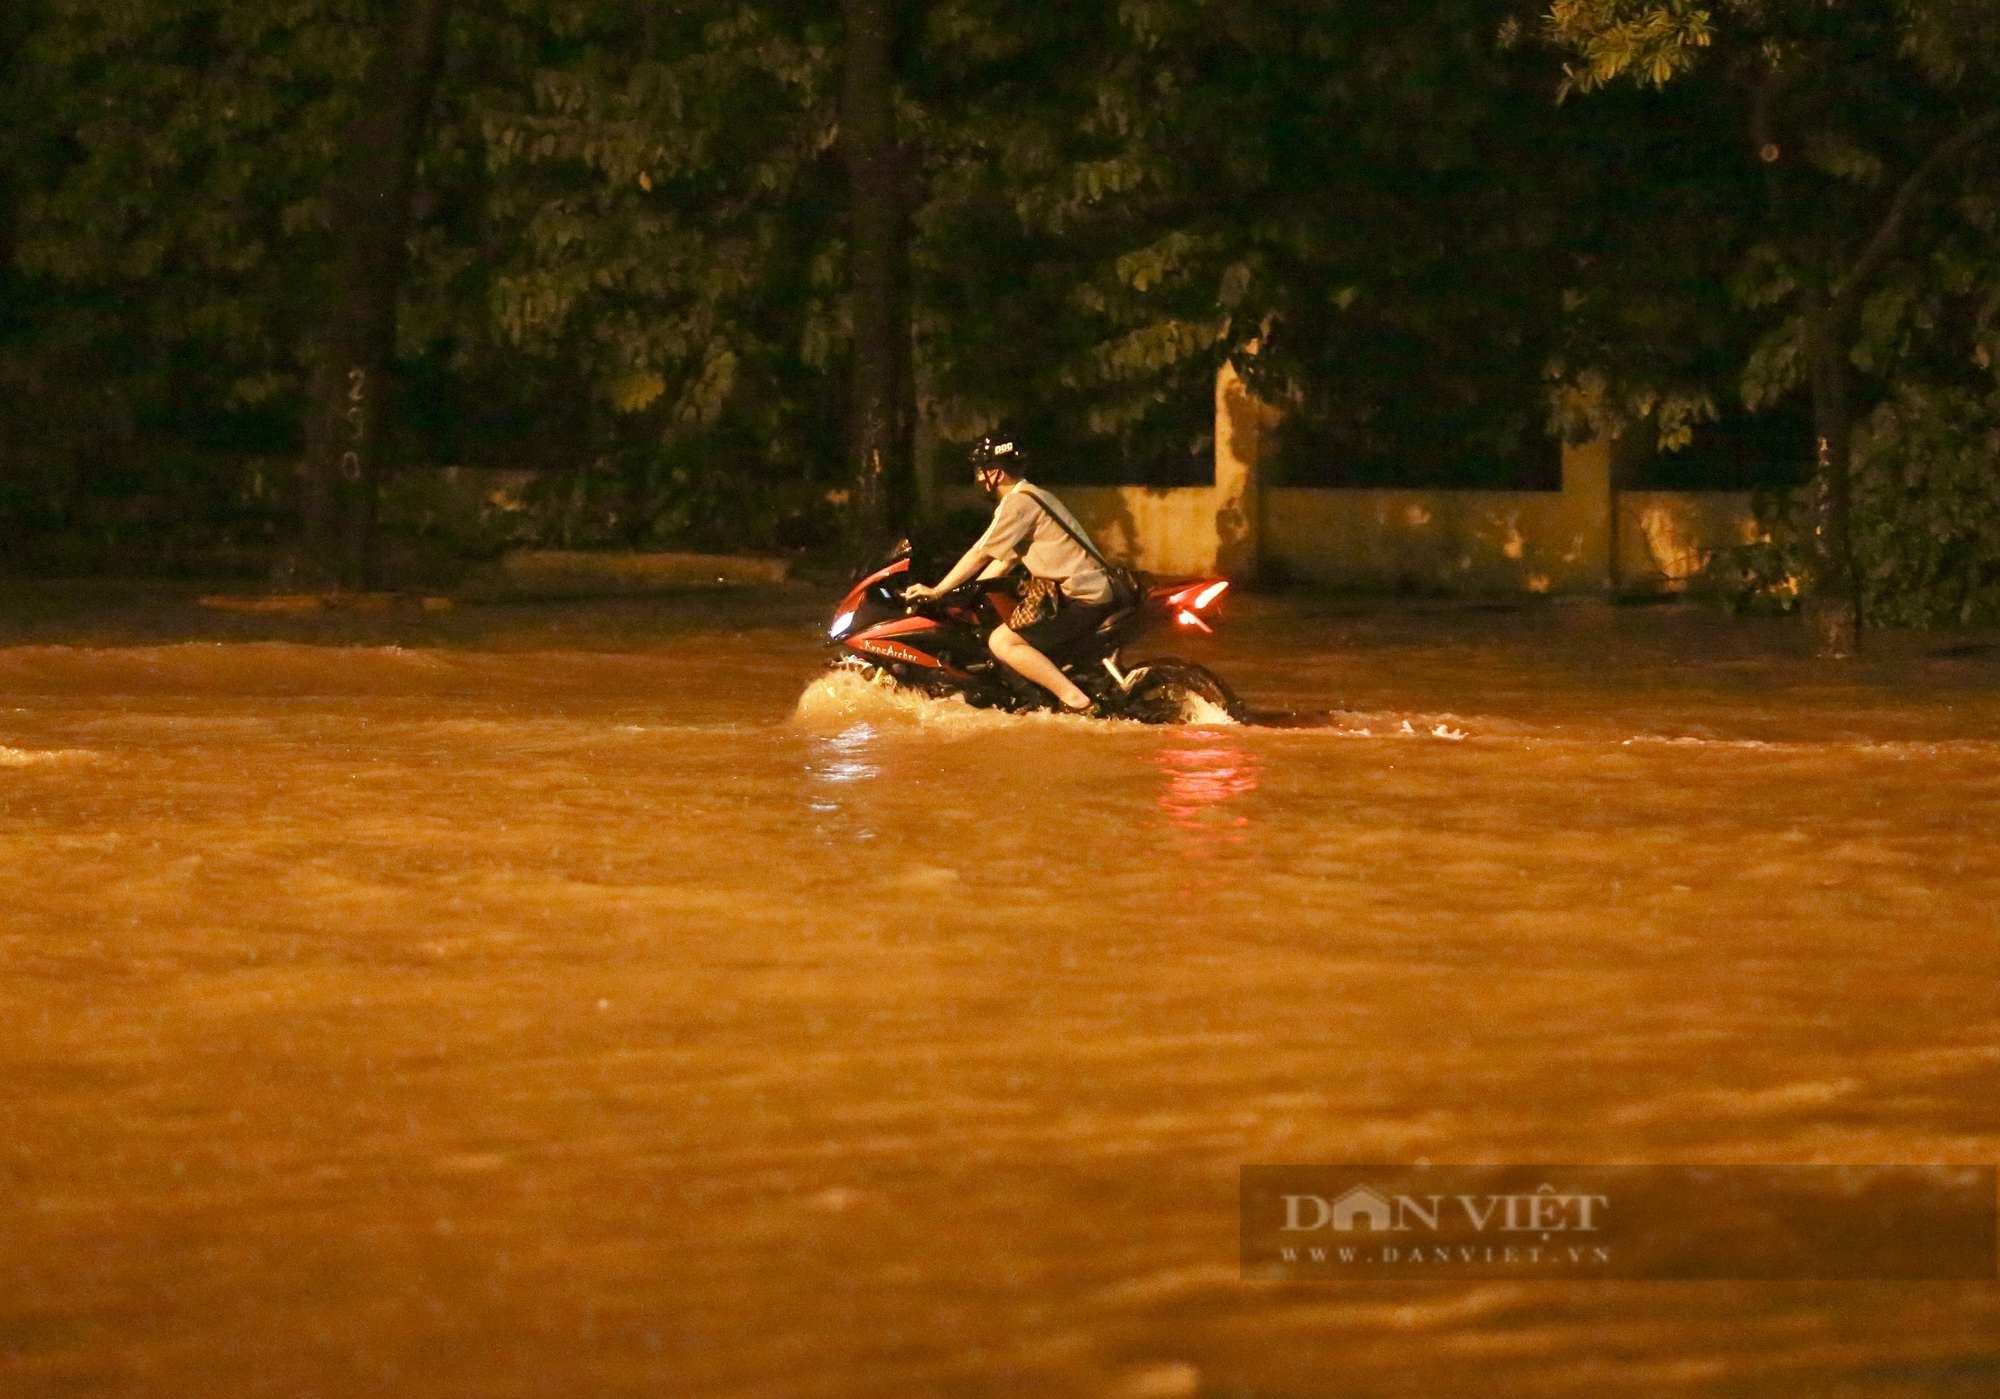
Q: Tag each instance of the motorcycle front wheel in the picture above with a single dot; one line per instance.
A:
(1178, 692)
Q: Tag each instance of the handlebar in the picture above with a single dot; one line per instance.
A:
(963, 595)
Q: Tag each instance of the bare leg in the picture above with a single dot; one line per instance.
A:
(1017, 654)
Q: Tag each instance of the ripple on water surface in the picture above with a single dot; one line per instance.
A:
(28, 757)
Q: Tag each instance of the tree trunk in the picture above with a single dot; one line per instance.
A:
(878, 427)
(348, 355)
(1833, 596)
(1832, 599)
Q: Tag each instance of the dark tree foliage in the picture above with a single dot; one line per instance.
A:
(174, 219)
(1374, 208)
(663, 216)
(707, 268)
(1868, 136)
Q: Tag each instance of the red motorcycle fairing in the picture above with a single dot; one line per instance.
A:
(883, 648)
(853, 598)
(902, 626)
(879, 641)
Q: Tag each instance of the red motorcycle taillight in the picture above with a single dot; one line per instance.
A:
(1196, 596)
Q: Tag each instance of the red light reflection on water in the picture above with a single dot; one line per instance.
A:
(1205, 774)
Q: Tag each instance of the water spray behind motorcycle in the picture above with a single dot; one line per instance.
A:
(938, 647)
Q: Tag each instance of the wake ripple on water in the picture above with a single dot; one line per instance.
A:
(839, 698)
(1886, 747)
(211, 667)
(28, 757)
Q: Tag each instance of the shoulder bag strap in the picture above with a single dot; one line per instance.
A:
(1063, 525)
(1125, 588)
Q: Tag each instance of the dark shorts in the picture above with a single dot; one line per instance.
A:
(1072, 622)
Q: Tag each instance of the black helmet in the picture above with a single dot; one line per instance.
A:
(995, 454)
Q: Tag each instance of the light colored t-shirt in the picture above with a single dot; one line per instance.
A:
(1023, 529)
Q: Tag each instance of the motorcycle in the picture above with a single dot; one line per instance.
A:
(938, 647)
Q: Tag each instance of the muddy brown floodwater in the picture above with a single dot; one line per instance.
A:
(585, 1001)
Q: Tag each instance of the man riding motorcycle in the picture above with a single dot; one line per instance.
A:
(1032, 526)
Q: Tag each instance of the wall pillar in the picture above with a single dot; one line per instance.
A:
(1629, 453)
(1589, 505)
(1243, 429)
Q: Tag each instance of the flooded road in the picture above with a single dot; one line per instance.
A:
(588, 1001)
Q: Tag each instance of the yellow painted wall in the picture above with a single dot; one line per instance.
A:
(1409, 541)
(1451, 541)
(1477, 542)
(1168, 532)
(1428, 541)
(1665, 537)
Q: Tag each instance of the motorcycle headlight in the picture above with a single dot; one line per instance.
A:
(840, 625)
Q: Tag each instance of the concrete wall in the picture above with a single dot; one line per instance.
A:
(1162, 531)
(1665, 537)
(1506, 541)
(1588, 537)
(1430, 541)
(1192, 529)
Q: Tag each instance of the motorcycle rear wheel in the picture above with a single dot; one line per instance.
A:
(1174, 691)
